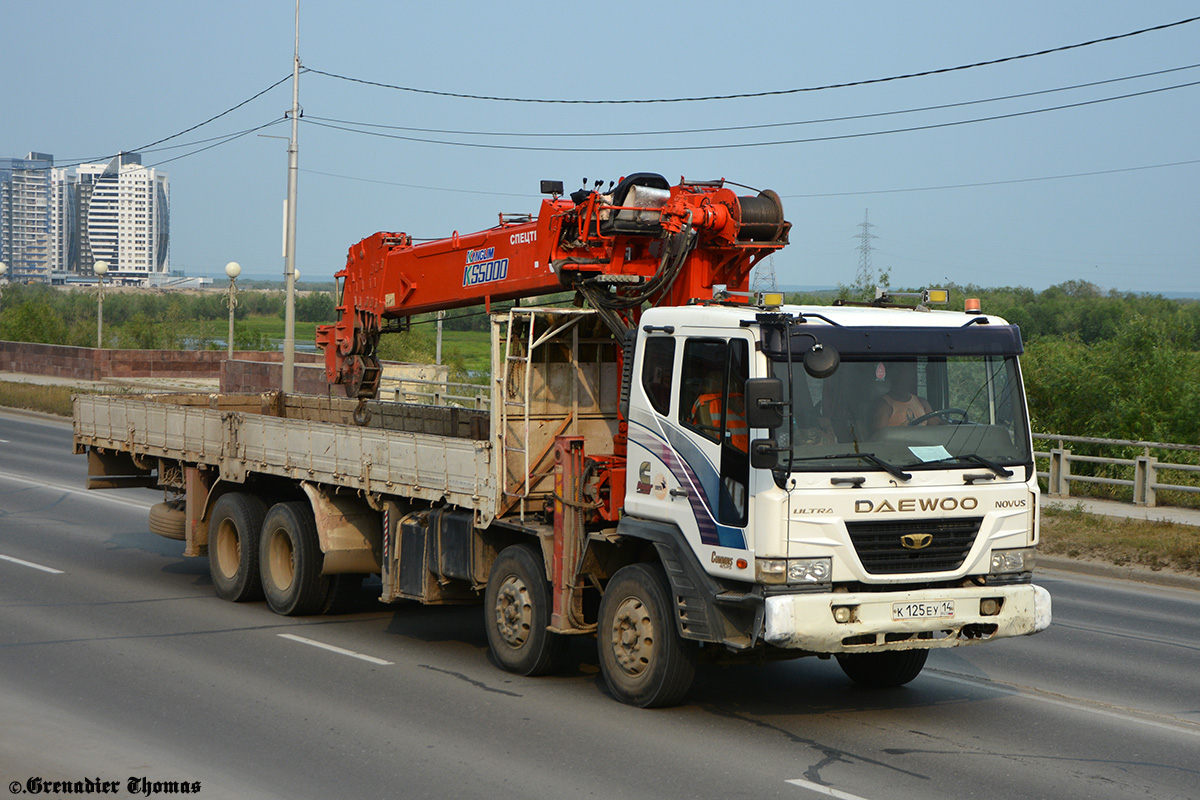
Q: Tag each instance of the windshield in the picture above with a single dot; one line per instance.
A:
(904, 413)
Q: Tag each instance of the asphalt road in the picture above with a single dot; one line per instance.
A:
(117, 662)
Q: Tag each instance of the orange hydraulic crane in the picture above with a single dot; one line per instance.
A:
(642, 241)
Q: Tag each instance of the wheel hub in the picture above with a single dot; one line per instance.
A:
(281, 561)
(514, 613)
(632, 637)
(228, 549)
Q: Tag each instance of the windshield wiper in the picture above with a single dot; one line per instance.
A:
(874, 459)
(975, 458)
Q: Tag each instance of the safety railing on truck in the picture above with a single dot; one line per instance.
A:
(1142, 470)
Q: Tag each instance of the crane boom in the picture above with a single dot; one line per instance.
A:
(642, 242)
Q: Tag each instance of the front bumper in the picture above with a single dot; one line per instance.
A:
(806, 621)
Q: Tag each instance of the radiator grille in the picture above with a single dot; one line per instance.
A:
(880, 549)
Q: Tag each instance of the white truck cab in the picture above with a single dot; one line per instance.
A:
(866, 471)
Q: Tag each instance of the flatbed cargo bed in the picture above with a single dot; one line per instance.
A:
(431, 453)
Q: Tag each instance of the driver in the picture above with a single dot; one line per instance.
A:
(901, 405)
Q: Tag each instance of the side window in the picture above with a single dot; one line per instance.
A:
(658, 358)
(711, 403)
(701, 386)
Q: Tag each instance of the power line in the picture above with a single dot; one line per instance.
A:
(224, 140)
(994, 183)
(415, 186)
(770, 93)
(977, 184)
(229, 110)
(75, 162)
(759, 126)
(810, 140)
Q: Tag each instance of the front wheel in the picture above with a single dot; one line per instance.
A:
(517, 607)
(644, 659)
(290, 558)
(883, 670)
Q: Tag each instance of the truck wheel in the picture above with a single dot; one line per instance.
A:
(233, 546)
(883, 670)
(517, 610)
(290, 560)
(645, 661)
(168, 520)
(343, 591)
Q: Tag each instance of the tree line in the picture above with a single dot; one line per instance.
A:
(1107, 364)
(1113, 365)
(147, 320)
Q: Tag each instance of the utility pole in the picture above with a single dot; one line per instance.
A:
(289, 236)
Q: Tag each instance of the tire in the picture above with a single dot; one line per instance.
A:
(289, 556)
(883, 670)
(644, 660)
(169, 520)
(517, 614)
(233, 546)
(343, 591)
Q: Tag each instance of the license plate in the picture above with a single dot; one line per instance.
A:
(940, 609)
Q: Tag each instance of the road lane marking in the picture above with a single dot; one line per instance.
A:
(72, 490)
(338, 650)
(51, 570)
(828, 791)
(1137, 716)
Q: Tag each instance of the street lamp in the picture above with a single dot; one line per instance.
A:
(232, 269)
(3, 269)
(101, 269)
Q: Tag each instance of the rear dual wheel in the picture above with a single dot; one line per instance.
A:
(233, 532)
(517, 612)
(290, 561)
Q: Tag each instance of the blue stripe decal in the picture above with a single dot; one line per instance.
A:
(690, 467)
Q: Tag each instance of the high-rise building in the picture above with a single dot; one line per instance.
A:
(58, 222)
(25, 239)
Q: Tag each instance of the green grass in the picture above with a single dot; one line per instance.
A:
(475, 347)
(271, 327)
(1155, 545)
(32, 397)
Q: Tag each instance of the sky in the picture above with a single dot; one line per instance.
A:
(1106, 192)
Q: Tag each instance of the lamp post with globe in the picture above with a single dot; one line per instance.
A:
(101, 269)
(232, 269)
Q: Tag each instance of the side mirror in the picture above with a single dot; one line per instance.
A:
(822, 361)
(764, 454)
(764, 403)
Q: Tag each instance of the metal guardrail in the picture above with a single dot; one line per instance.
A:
(1146, 468)
(436, 393)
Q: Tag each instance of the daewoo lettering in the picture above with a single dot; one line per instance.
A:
(916, 504)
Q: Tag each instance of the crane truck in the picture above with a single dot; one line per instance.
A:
(683, 469)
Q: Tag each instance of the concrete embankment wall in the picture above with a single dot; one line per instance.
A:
(248, 371)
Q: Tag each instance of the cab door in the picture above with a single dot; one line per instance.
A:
(713, 440)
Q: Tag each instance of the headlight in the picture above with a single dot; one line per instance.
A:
(794, 570)
(809, 570)
(770, 570)
(1005, 561)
